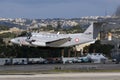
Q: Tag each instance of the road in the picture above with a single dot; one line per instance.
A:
(78, 66)
(64, 76)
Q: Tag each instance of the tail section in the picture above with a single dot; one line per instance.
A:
(89, 30)
(96, 30)
(93, 30)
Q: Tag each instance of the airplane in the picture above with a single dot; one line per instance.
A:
(57, 40)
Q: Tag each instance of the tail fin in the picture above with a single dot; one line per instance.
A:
(93, 30)
(97, 29)
(89, 30)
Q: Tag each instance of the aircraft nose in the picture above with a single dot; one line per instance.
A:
(20, 41)
(15, 41)
(12, 40)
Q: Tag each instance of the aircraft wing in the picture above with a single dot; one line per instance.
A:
(58, 42)
(52, 42)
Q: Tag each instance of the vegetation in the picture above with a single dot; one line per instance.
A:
(3, 28)
(99, 48)
(74, 29)
(26, 51)
(47, 28)
(7, 35)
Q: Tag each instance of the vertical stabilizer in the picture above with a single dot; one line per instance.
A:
(96, 30)
(89, 30)
(93, 30)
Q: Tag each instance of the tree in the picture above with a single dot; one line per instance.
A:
(58, 28)
(8, 35)
(1, 41)
(49, 27)
(3, 28)
(97, 47)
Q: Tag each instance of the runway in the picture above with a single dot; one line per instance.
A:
(64, 76)
(38, 75)
(46, 67)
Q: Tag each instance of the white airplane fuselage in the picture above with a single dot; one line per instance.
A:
(55, 40)
(64, 40)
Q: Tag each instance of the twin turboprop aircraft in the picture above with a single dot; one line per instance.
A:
(56, 40)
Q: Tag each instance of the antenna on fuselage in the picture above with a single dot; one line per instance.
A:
(58, 33)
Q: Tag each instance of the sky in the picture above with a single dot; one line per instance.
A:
(37, 9)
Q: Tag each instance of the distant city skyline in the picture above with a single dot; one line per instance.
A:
(56, 8)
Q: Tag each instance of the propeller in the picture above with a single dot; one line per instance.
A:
(29, 35)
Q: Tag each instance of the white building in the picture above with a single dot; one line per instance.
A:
(19, 61)
(4, 61)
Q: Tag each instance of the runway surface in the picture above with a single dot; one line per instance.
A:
(77, 66)
(64, 76)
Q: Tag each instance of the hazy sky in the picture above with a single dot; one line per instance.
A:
(56, 8)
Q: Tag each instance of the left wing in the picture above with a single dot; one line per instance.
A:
(58, 42)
